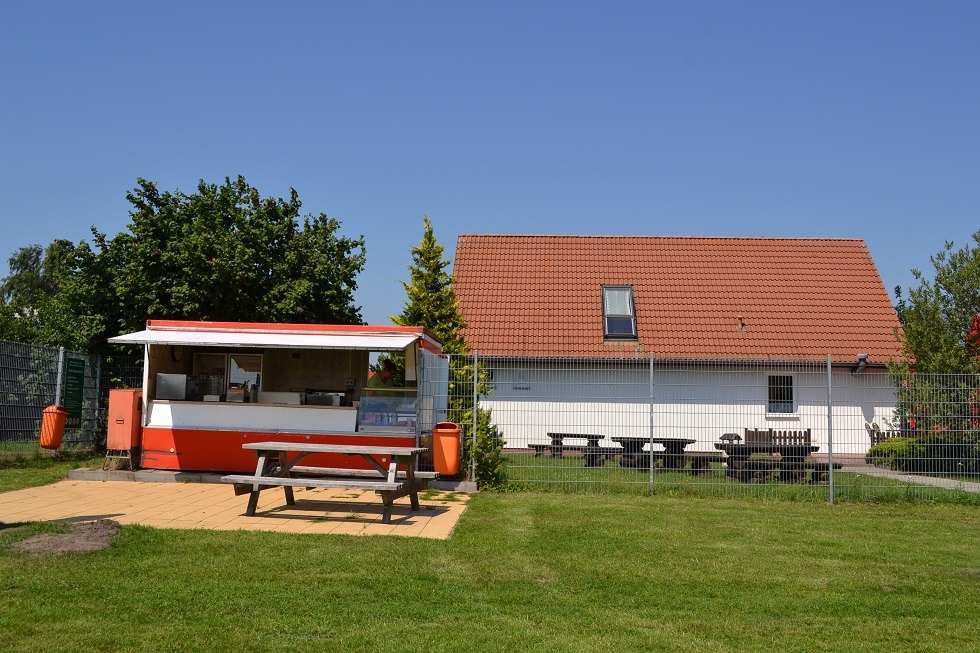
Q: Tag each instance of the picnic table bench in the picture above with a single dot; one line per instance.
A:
(630, 449)
(877, 435)
(634, 456)
(764, 451)
(277, 466)
(701, 461)
(557, 447)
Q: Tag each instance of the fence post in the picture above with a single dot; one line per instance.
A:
(57, 383)
(653, 464)
(476, 406)
(830, 430)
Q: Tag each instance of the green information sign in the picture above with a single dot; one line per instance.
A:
(74, 387)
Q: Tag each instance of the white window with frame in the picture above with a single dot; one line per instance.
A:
(522, 380)
(781, 396)
(619, 316)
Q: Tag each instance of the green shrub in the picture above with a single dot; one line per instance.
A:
(486, 452)
(885, 454)
(942, 453)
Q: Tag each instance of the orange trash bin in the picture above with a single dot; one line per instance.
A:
(53, 426)
(445, 448)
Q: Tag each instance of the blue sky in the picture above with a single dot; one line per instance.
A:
(781, 119)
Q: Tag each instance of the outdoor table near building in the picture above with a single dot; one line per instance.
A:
(634, 456)
(557, 446)
(278, 463)
(740, 451)
(592, 439)
(791, 447)
(791, 462)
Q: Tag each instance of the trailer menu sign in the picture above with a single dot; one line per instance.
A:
(74, 387)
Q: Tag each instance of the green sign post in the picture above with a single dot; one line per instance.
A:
(74, 387)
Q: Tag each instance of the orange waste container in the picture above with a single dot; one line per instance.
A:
(445, 448)
(53, 426)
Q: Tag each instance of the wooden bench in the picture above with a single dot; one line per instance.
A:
(538, 449)
(701, 461)
(557, 447)
(821, 471)
(778, 438)
(359, 473)
(753, 470)
(594, 456)
(877, 436)
(636, 457)
(556, 450)
(758, 470)
(597, 456)
(786, 449)
(765, 451)
(245, 484)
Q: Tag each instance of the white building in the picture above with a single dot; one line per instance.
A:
(679, 337)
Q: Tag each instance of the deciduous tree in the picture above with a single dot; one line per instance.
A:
(36, 275)
(938, 314)
(221, 253)
(34, 272)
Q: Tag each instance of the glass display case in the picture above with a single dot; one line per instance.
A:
(387, 410)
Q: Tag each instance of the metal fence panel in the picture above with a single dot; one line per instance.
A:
(574, 424)
(28, 384)
(590, 425)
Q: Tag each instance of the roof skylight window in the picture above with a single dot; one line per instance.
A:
(619, 316)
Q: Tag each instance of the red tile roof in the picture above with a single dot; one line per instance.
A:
(780, 299)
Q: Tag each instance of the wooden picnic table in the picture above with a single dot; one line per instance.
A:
(742, 451)
(277, 464)
(791, 463)
(558, 439)
(635, 457)
(558, 446)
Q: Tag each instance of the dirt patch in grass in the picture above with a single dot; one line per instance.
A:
(86, 536)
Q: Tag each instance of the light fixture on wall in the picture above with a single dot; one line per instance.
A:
(862, 362)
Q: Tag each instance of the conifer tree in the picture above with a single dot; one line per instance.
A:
(431, 302)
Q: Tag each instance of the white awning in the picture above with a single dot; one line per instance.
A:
(269, 340)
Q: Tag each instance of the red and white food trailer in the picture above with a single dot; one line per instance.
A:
(210, 387)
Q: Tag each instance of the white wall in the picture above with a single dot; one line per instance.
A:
(696, 401)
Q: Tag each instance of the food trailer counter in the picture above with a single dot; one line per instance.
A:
(268, 417)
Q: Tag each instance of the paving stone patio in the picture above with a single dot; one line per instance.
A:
(216, 507)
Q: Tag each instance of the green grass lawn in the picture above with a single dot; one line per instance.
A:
(569, 474)
(523, 572)
(28, 469)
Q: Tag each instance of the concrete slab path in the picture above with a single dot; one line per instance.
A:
(914, 479)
